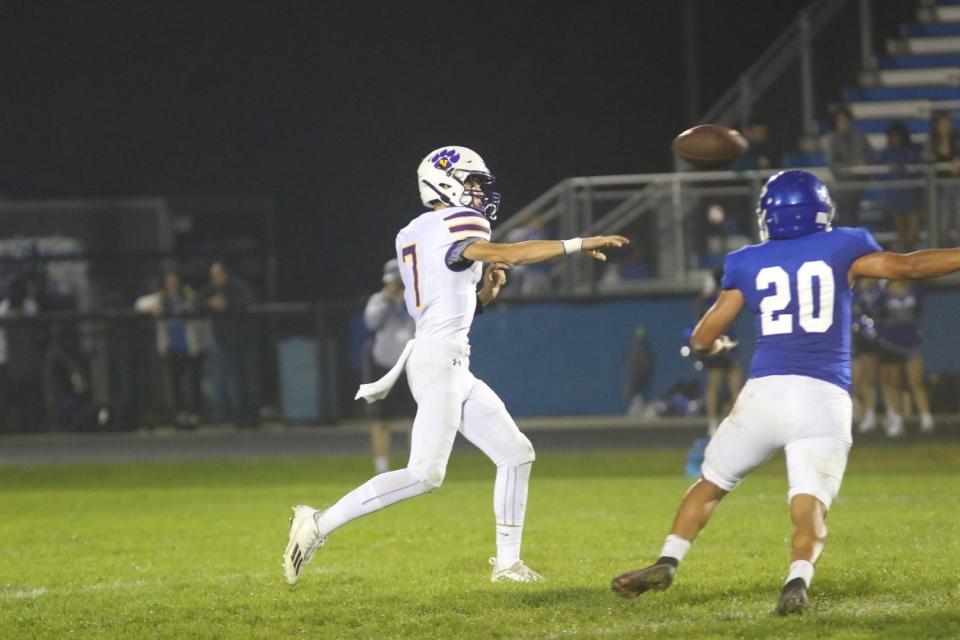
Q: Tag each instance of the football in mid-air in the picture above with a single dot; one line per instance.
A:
(709, 146)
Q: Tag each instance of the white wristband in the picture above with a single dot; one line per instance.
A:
(573, 245)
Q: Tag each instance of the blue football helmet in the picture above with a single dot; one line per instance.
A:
(793, 204)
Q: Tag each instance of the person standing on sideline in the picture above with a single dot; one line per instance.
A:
(237, 391)
(900, 341)
(180, 344)
(867, 300)
(386, 315)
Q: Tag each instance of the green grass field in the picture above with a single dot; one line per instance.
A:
(192, 550)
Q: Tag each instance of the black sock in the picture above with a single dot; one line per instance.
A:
(673, 562)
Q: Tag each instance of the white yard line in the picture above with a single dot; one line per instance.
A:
(28, 593)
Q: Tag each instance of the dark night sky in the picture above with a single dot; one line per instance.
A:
(330, 106)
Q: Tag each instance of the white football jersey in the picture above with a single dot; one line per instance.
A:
(441, 299)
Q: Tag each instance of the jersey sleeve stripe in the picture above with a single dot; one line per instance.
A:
(469, 227)
(466, 214)
(463, 235)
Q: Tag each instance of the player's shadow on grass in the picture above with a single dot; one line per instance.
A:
(692, 594)
(528, 596)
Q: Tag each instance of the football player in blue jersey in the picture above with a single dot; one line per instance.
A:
(797, 282)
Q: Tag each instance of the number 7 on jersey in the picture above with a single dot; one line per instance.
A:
(411, 251)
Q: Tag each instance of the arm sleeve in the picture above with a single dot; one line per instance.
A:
(454, 259)
(864, 243)
(729, 280)
(376, 311)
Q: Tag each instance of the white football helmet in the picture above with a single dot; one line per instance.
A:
(442, 174)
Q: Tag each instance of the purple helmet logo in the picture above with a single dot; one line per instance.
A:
(445, 158)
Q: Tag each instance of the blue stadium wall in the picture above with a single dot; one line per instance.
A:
(570, 358)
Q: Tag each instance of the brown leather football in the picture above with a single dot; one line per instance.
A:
(709, 146)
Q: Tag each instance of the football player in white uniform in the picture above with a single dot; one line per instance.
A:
(441, 254)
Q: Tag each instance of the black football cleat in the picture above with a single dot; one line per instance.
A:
(793, 598)
(656, 577)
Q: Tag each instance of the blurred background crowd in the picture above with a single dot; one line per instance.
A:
(120, 310)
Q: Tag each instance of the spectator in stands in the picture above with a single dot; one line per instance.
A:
(903, 203)
(21, 359)
(180, 344)
(943, 147)
(236, 390)
(386, 315)
(898, 334)
(716, 231)
(761, 153)
(844, 148)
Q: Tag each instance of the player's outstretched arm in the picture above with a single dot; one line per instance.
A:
(533, 251)
(919, 265)
(708, 338)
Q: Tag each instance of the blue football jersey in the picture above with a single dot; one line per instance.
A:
(799, 291)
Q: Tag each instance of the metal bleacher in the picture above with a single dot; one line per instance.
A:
(919, 74)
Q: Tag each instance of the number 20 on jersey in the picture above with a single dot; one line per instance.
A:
(811, 318)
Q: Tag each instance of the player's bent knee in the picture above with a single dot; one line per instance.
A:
(526, 455)
(429, 476)
(522, 454)
(718, 480)
(815, 495)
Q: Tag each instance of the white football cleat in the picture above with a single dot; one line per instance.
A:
(517, 572)
(926, 423)
(304, 540)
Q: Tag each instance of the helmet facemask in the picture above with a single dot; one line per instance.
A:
(479, 199)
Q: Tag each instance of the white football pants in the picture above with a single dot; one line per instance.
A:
(809, 419)
(449, 399)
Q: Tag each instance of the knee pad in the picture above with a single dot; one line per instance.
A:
(430, 476)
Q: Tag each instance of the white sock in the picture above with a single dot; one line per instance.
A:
(675, 547)
(509, 509)
(374, 494)
(508, 545)
(801, 569)
(381, 464)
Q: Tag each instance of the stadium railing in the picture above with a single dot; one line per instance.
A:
(102, 371)
(682, 224)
